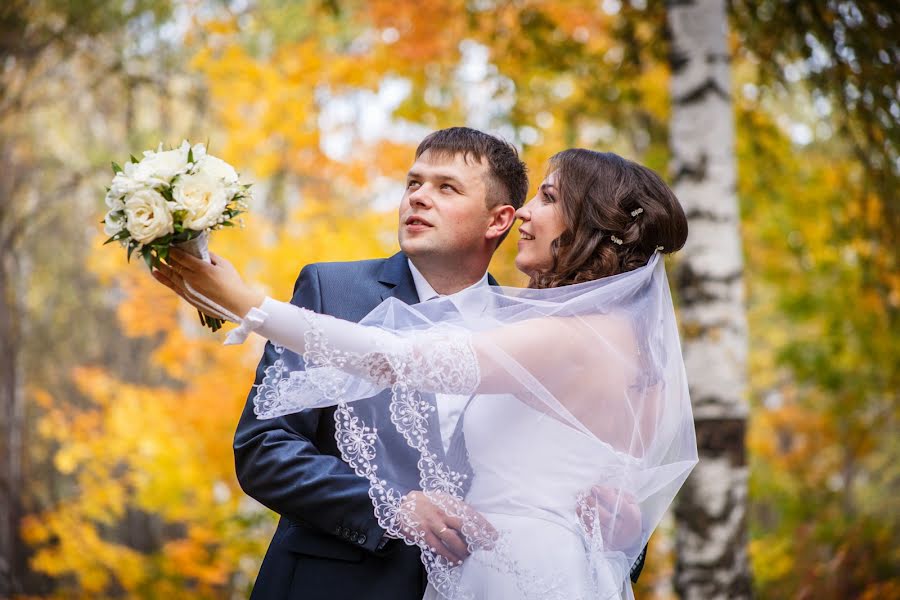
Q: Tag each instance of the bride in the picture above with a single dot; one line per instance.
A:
(578, 426)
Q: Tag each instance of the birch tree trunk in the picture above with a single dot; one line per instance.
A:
(711, 510)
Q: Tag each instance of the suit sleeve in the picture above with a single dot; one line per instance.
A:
(278, 464)
(638, 565)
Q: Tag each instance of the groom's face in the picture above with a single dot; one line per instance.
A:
(444, 211)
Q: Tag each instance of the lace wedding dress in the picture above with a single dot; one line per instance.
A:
(529, 491)
(573, 390)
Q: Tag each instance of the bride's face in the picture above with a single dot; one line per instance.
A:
(542, 222)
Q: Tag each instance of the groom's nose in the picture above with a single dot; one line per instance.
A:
(420, 197)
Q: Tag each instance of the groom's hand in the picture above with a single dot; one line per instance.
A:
(616, 512)
(445, 524)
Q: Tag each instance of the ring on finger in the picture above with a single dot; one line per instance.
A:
(445, 528)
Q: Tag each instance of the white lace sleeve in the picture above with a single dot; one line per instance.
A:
(438, 360)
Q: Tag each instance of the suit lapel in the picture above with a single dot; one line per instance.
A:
(397, 280)
(398, 283)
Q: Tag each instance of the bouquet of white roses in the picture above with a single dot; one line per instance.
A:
(173, 197)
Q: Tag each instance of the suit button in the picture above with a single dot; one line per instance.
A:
(354, 536)
(345, 532)
(362, 539)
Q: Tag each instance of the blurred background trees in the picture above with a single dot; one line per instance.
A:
(118, 409)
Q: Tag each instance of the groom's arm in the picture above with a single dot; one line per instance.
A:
(278, 463)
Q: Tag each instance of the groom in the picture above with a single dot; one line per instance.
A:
(460, 202)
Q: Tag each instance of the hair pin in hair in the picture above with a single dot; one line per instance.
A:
(660, 248)
(636, 212)
(615, 240)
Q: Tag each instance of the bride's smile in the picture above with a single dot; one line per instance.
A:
(542, 223)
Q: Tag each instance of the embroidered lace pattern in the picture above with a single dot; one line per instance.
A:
(449, 366)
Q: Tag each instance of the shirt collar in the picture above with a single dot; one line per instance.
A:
(426, 292)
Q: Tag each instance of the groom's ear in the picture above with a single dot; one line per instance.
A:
(502, 218)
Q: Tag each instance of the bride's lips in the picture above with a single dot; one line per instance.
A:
(416, 223)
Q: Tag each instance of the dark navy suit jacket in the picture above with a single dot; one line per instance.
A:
(327, 541)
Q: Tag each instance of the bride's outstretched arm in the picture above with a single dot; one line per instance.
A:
(571, 364)
(363, 351)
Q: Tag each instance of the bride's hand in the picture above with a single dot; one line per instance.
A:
(434, 523)
(219, 281)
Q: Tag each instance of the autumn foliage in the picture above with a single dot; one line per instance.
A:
(146, 503)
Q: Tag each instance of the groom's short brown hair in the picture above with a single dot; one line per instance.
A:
(507, 177)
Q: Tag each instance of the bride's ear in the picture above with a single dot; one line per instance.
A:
(502, 218)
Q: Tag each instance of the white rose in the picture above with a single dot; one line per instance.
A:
(122, 185)
(218, 169)
(159, 167)
(114, 222)
(114, 200)
(148, 215)
(203, 197)
(198, 151)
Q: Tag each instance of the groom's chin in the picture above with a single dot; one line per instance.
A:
(413, 246)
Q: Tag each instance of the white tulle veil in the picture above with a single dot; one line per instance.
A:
(569, 390)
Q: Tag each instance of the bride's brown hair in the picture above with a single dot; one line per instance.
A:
(616, 212)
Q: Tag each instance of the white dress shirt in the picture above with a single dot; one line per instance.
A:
(449, 406)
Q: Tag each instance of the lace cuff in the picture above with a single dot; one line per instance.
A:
(440, 361)
(274, 320)
(252, 321)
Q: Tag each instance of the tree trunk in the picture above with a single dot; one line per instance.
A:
(12, 417)
(711, 510)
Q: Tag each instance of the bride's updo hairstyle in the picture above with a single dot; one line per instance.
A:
(616, 212)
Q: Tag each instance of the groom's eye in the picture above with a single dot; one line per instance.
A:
(410, 184)
(447, 187)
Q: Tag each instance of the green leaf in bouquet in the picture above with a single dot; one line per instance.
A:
(147, 255)
(166, 192)
(117, 237)
(190, 155)
(133, 159)
(163, 252)
(163, 241)
(132, 245)
(116, 168)
(227, 224)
